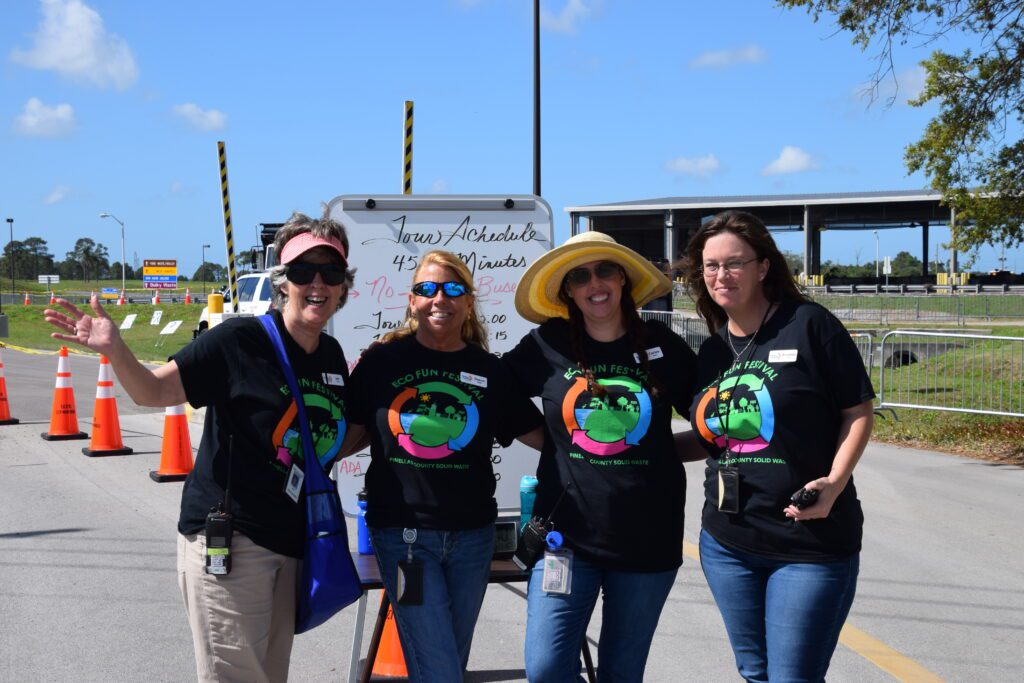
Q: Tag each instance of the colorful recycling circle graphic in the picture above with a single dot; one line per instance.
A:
(742, 403)
(609, 425)
(327, 420)
(433, 420)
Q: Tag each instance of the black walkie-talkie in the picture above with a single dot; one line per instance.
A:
(220, 527)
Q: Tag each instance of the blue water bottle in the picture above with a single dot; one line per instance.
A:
(363, 533)
(527, 494)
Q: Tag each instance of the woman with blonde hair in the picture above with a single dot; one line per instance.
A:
(433, 401)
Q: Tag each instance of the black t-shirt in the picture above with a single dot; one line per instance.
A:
(433, 417)
(614, 456)
(232, 369)
(782, 409)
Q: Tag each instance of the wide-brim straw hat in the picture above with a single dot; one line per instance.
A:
(537, 293)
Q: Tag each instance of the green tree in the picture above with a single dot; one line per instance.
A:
(91, 258)
(972, 150)
(213, 273)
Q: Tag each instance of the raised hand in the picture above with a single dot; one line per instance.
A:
(96, 332)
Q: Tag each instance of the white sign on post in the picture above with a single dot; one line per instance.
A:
(497, 236)
(171, 327)
(155, 320)
(887, 266)
(128, 321)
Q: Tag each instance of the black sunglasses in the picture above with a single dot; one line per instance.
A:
(428, 289)
(605, 270)
(303, 273)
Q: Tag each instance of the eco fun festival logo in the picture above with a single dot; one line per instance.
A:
(433, 420)
(742, 401)
(327, 420)
(610, 425)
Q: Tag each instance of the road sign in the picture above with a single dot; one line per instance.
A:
(887, 266)
(49, 279)
(160, 274)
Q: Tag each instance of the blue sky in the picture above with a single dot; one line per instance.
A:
(111, 105)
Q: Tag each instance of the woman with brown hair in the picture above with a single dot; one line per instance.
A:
(609, 480)
(783, 413)
(433, 401)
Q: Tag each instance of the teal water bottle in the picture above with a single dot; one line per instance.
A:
(527, 494)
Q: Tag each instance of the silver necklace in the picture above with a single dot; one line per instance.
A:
(728, 336)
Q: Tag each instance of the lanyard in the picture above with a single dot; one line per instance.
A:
(737, 363)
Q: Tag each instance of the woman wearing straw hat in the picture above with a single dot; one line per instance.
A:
(784, 413)
(609, 480)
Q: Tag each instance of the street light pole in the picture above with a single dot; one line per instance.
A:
(110, 215)
(203, 266)
(876, 253)
(536, 97)
(10, 253)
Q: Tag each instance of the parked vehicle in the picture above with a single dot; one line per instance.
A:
(254, 298)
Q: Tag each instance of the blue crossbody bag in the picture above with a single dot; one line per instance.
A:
(329, 581)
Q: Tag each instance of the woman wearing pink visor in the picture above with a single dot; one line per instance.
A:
(243, 621)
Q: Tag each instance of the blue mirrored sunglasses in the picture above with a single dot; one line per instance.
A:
(429, 289)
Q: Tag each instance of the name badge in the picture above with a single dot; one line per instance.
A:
(293, 486)
(334, 380)
(653, 353)
(475, 380)
(782, 356)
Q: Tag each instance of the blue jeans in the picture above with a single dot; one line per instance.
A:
(436, 636)
(783, 618)
(556, 624)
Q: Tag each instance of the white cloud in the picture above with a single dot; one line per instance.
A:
(177, 187)
(698, 167)
(439, 186)
(723, 59)
(71, 40)
(43, 121)
(209, 119)
(790, 160)
(58, 194)
(565, 21)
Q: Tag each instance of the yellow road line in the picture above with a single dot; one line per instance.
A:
(897, 664)
(887, 659)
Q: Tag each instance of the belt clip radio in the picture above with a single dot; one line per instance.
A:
(220, 527)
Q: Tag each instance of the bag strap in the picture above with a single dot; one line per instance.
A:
(267, 320)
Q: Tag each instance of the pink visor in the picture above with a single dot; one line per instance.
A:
(300, 244)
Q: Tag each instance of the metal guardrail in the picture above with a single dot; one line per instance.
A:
(866, 347)
(964, 373)
(693, 330)
(883, 309)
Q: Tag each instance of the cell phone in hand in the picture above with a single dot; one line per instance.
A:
(804, 498)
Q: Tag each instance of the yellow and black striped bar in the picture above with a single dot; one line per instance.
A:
(407, 168)
(229, 238)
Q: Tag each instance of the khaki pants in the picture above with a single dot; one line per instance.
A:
(243, 623)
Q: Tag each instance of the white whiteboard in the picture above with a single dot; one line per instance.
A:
(497, 235)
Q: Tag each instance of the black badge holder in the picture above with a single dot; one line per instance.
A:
(410, 574)
(220, 527)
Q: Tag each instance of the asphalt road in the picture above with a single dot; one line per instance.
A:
(88, 589)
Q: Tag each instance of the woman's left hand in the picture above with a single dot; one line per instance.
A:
(827, 490)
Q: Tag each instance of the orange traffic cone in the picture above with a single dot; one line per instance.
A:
(176, 451)
(106, 427)
(156, 297)
(389, 662)
(63, 416)
(188, 296)
(120, 299)
(5, 409)
(53, 299)
(28, 301)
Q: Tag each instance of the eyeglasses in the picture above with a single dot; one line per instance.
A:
(428, 289)
(731, 267)
(303, 273)
(605, 270)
